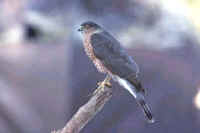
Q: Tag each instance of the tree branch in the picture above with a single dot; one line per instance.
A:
(86, 112)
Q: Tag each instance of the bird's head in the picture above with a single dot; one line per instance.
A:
(89, 27)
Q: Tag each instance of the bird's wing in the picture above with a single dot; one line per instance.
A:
(113, 56)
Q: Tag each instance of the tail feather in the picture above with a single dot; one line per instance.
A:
(138, 93)
(132, 79)
(146, 109)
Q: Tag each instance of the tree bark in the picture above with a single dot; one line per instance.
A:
(86, 112)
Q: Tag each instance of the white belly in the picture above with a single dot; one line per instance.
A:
(124, 83)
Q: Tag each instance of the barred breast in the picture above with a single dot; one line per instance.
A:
(89, 51)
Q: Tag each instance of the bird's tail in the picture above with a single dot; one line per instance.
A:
(146, 109)
(139, 96)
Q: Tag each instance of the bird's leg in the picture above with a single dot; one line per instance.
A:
(103, 84)
(106, 82)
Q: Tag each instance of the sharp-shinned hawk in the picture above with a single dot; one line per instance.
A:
(110, 58)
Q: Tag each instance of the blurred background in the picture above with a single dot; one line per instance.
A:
(45, 76)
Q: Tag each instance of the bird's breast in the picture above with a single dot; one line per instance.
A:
(88, 47)
(90, 53)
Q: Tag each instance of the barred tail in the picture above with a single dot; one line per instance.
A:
(146, 109)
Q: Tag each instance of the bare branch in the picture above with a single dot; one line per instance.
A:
(86, 112)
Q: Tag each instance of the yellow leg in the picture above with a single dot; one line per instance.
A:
(103, 84)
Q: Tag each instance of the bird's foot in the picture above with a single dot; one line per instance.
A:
(102, 85)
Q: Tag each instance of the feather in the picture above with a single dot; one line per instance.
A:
(124, 83)
(139, 96)
(109, 51)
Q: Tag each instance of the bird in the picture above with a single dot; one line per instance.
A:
(110, 58)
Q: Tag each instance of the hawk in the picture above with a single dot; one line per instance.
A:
(110, 58)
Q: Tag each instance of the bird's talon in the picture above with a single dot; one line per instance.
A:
(108, 84)
(102, 85)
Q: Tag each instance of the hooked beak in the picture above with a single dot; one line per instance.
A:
(80, 29)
